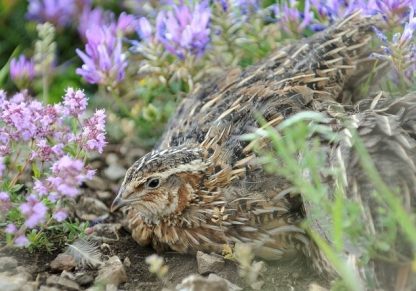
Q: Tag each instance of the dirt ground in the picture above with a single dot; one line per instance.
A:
(93, 206)
(295, 275)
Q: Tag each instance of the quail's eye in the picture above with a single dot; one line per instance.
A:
(153, 183)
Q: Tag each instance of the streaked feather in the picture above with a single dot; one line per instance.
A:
(85, 253)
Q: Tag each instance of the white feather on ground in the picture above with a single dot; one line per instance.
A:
(85, 253)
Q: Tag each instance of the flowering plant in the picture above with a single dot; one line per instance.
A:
(43, 153)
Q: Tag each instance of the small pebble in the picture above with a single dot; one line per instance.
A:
(63, 262)
(111, 159)
(115, 172)
(209, 263)
(97, 183)
(91, 209)
(65, 283)
(112, 272)
(127, 262)
(7, 264)
(84, 279)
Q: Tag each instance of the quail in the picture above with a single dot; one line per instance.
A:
(203, 186)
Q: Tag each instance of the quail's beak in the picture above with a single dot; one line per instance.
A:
(117, 203)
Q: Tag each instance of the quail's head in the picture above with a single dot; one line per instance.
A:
(161, 183)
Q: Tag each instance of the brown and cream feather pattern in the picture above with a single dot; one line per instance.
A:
(203, 186)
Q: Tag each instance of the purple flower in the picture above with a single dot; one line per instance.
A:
(53, 196)
(104, 61)
(75, 101)
(40, 188)
(409, 29)
(393, 9)
(380, 35)
(60, 215)
(184, 29)
(245, 5)
(45, 152)
(22, 69)
(3, 96)
(34, 211)
(58, 12)
(144, 29)
(335, 9)
(90, 174)
(400, 50)
(21, 241)
(4, 144)
(126, 23)
(19, 97)
(20, 118)
(26, 120)
(223, 3)
(93, 134)
(67, 176)
(91, 18)
(10, 228)
(290, 19)
(240, 6)
(4, 202)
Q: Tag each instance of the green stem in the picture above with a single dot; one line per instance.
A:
(45, 87)
(116, 98)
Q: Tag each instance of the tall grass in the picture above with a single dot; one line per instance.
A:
(300, 151)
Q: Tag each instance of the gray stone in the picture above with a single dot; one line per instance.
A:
(30, 286)
(111, 287)
(23, 272)
(132, 154)
(47, 288)
(68, 275)
(114, 172)
(97, 183)
(108, 287)
(63, 262)
(104, 195)
(107, 231)
(112, 272)
(111, 159)
(127, 262)
(16, 282)
(231, 286)
(7, 264)
(212, 283)
(89, 208)
(316, 287)
(61, 282)
(209, 263)
(84, 279)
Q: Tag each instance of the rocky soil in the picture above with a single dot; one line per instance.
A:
(123, 265)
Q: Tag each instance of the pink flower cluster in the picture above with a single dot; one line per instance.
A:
(38, 135)
(104, 60)
(67, 175)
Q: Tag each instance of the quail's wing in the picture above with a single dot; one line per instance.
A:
(386, 127)
(296, 77)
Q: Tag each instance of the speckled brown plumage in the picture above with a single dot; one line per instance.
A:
(386, 127)
(203, 187)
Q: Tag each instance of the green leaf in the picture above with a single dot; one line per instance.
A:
(36, 171)
(383, 246)
(16, 188)
(5, 70)
(303, 116)
(71, 149)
